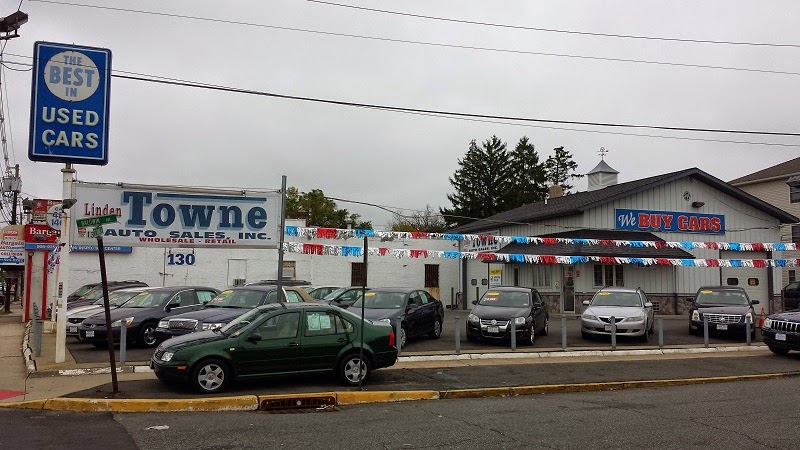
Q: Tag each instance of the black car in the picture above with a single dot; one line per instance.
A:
(95, 292)
(725, 307)
(143, 312)
(418, 311)
(781, 332)
(491, 317)
(791, 296)
(228, 305)
(343, 297)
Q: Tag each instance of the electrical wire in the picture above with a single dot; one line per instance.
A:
(433, 44)
(554, 30)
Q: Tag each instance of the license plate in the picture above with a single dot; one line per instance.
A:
(89, 333)
(493, 329)
(722, 326)
(73, 329)
(608, 327)
(780, 336)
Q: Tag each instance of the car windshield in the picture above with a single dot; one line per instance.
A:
(114, 298)
(81, 291)
(148, 299)
(510, 299)
(381, 300)
(93, 294)
(238, 298)
(235, 326)
(711, 297)
(606, 298)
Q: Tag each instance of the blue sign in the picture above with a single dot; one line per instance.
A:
(682, 222)
(33, 246)
(106, 248)
(70, 99)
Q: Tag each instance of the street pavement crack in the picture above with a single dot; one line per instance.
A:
(699, 421)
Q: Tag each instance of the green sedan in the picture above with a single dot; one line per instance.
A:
(277, 339)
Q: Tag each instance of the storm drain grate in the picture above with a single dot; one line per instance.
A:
(299, 403)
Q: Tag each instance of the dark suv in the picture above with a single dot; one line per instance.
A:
(491, 317)
(95, 292)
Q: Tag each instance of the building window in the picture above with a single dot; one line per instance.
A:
(792, 276)
(609, 275)
(732, 281)
(516, 276)
(794, 194)
(431, 275)
(541, 276)
(795, 233)
(357, 275)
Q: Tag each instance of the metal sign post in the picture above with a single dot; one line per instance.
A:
(98, 233)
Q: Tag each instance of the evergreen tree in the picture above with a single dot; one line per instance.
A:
(483, 183)
(528, 174)
(560, 169)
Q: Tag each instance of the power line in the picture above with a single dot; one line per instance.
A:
(554, 30)
(432, 44)
(457, 115)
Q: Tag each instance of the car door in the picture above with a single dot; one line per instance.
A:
(325, 336)
(415, 314)
(430, 309)
(181, 302)
(270, 347)
(539, 311)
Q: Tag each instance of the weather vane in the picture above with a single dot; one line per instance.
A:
(602, 152)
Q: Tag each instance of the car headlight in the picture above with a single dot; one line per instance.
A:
(163, 324)
(212, 326)
(695, 315)
(167, 356)
(519, 321)
(473, 318)
(767, 323)
(589, 317)
(389, 321)
(118, 323)
(638, 318)
(748, 317)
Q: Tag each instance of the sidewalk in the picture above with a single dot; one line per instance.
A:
(12, 362)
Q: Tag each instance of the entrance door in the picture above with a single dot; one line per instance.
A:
(568, 289)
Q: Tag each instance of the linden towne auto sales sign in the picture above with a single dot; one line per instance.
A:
(163, 216)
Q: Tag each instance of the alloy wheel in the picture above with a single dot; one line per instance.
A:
(211, 377)
(351, 370)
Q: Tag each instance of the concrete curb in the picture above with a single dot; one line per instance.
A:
(253, 402)
(30, 363)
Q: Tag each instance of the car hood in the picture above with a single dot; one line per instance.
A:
(191, 339)
(500, 312)
(379, 313)
(213, 315)
(136, 313)
(723, 309)
(616, 311)
(84, 311)
(789, 316)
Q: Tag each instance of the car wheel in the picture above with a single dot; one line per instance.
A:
(645, 336)
(403, 336)
(470, 337)
(210, 376)
(533, 336)
(585, 335)
(147, 335)
(652, 328)
(778, 350)
(437, 329)
(349, 369)
(691, 331)
(546, 326)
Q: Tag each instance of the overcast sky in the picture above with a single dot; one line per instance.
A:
(184, 136)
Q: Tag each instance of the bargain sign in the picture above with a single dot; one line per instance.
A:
(669, 221)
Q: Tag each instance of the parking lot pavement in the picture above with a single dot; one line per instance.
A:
(676, 333)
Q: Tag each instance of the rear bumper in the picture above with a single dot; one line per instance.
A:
(385, 359)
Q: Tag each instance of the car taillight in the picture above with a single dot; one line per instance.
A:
(391, 338)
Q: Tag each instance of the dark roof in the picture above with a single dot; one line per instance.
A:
(602, 167)
(784, 169)
(178, 288)
(573, 204)
(599, 250)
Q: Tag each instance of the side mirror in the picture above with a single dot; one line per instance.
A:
(474, 302)
(754, 302)
(255, 337)
(648, 305)
(690, 299)
(168, 308)
(586, 302)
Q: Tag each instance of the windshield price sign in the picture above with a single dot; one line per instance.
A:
(69, 104)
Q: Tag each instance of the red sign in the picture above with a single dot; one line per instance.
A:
(40, 234)
(41, 207)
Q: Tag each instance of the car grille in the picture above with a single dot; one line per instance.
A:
(723, 318)
(182, 324)
(782, 325)
(74, 320)
(607, 319)
(158, 354)
(498, 323)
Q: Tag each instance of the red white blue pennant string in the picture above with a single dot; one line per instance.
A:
(336, 250)
(337, 233)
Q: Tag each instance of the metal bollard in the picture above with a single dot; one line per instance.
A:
(397, 328)
(513, 324)
(564, 334)
(123, 341)
(660, 333)
(705, 330)
(613, 333)
(747, 329)
(458, 337)
(37, 336)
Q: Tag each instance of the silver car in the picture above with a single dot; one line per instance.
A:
(632, 313)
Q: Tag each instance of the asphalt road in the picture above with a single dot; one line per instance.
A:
(712, 416)
(676, 332)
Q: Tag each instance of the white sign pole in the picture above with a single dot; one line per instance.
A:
(63, 273)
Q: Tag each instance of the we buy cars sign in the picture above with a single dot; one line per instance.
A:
(166, 216)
